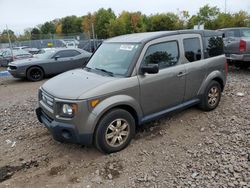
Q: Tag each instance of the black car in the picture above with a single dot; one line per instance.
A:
(51, 62)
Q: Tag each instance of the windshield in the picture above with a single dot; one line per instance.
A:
(113, 58)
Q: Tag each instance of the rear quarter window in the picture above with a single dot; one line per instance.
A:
(232, 33)
(214, 46)
(245, 32)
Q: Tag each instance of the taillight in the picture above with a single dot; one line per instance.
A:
(243, 46)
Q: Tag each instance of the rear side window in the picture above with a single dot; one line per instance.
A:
(214, 46)
(245, 32)
(67, 53)
(192, 48)
(164, 54)
(232, 33)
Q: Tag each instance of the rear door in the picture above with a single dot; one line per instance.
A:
(232, 41)
(196, 66)
(166, 88)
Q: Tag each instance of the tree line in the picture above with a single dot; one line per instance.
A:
(107, 24)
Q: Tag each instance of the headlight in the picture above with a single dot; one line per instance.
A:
(68, 110)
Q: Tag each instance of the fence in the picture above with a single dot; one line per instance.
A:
(81, 40)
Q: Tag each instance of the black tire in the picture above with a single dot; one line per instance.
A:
(35, 74)
(102, 142)
(210, 101)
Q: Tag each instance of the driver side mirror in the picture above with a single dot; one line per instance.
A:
(56, 57)
(150, 69)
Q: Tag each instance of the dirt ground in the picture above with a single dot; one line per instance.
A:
(189, 149)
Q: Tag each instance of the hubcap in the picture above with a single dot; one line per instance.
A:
(35, 74)
(117, 132)
(213, 96)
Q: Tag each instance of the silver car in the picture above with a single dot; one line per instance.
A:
(131, 80)
(237, 45)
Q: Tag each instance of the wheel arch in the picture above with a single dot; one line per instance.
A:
(32, 66)
(216, 76)
(128, 103)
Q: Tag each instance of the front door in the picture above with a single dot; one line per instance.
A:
(166, 88)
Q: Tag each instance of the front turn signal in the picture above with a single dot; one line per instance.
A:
(94, 103)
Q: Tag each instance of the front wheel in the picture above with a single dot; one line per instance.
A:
(211, 98)
(35, 74)
(114, 131)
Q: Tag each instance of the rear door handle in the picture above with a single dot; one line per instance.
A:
(181, 74)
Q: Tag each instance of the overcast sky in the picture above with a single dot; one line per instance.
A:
(21, 14)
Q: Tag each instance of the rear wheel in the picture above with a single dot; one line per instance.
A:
(211, 97)
(114, 131)
(35, 74)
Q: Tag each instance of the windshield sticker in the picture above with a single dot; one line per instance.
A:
(127, 47)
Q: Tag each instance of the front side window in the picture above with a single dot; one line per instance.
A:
(192, 48)
(114, 58)
(164, 54)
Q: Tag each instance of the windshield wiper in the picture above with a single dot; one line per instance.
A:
(107, 72)
(87, 68)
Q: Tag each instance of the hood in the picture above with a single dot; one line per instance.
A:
(74, 83)
(24, 62)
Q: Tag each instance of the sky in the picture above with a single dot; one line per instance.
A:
(22, 14)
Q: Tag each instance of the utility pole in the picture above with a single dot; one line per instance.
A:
(9, 41)
(93, 32)
(225, 6)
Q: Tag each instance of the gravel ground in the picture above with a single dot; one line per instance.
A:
(188, 149)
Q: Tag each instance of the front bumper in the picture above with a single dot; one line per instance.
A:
(15, 73)
(63, 132)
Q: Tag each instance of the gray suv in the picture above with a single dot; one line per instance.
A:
(237, 45)
(131, 80)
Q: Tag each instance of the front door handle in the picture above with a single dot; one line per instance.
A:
(180, 74)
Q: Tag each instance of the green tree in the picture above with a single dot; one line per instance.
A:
(103, 18)
(86, 23)
(241, 19)
(128, 22)
(26, 35)
(162, 22)
(4, 36)
(116, 27)
(48, 28)
(71, 24)
(223, 20)
(35, 34)
(206, 15)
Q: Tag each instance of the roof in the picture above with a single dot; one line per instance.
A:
(148, 36)
(223, 29)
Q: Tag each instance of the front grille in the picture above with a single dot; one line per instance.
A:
(48, 100)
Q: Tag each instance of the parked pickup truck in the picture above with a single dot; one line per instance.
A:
(131, 80)
(237, 46)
